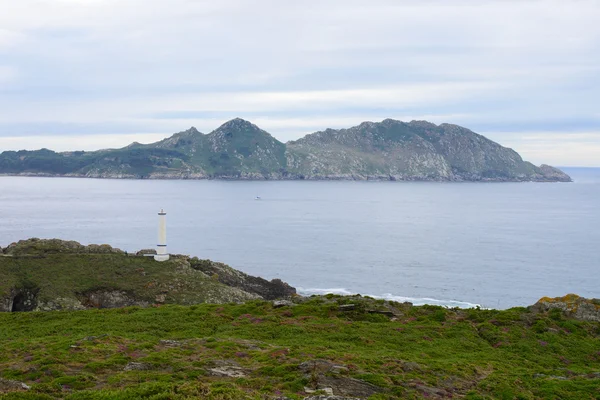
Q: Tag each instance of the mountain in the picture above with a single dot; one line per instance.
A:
(238, 149)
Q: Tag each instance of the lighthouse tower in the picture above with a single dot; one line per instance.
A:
(161, 247)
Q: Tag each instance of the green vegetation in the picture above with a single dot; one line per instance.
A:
(55, 274)
(135, 161)
(176, 352)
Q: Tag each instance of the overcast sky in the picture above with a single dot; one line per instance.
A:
(89, 74)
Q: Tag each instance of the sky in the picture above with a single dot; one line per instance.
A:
(91, 74)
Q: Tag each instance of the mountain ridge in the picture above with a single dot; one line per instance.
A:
(238, 149)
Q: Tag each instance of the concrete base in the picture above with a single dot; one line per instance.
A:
(161, 257)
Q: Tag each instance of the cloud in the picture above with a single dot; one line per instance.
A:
(575, 148)
(7, 74)
(75, 67)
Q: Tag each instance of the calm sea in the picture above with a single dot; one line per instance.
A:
(458, 244)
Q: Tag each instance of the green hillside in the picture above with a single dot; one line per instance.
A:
(351, 346)
(51, 274)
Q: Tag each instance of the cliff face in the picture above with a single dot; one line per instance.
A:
(42, 275)
(417, 150)
(391, 150)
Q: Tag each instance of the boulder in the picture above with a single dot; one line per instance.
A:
(8, 385)
(282, 303)
(137, 366)
(572, 306)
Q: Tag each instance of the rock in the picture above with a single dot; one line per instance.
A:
(347, 307)
(160, 298)
(554, 174)
(317, 371)
(345, 386)
(571, 305)
(338, 369)
(319, 366)
(328, 391)
(408, 366)
(42, 247)
(387, 313)
(431, 391)
(330, 397)
(137, 366)
(229, 372)
(282, 303)
(145, 251)
(251, 344)
(110, 299)
(7, 385)
(227, 368)
(171, 343)
(268, 290)
(60, 303)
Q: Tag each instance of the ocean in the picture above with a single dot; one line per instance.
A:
(495, 245)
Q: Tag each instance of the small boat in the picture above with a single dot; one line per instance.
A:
(257, 198)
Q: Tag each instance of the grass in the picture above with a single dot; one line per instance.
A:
(61, 279)
(426, 352)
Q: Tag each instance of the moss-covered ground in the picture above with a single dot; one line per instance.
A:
(423, 352)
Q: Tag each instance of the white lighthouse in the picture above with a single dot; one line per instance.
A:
(161, 247)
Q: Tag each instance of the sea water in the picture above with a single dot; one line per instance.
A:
(457, 244)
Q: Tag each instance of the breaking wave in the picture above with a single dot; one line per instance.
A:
(417, 301)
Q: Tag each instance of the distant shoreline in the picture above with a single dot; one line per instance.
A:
(289, 179)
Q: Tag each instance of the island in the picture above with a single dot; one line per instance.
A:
(387, 150)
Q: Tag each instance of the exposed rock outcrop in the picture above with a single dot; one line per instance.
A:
(571, 305)
(8, 385)
(41, 247)
(269, 290)
(329, 377)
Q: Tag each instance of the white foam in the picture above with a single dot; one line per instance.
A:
(340, 291)
(418, 301)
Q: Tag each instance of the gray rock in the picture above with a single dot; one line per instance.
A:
(41, 247)
(347, 307)
(345, 386)
(137, 366)
(282, 303)
(328, 391)
(330, 397)
(571, 305)
(318, 366)
(227, 368)
(110, 299)
(171, 343)
(229, 372)
(8, 385)
(145, 251)
(268, 290)
(408, 366)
